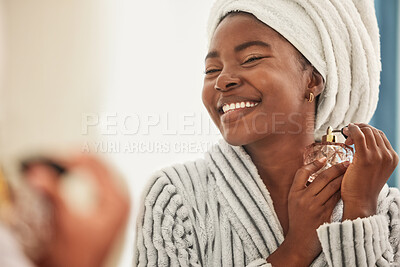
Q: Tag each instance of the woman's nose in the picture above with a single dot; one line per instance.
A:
(226, 81)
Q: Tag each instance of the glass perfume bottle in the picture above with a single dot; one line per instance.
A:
(334, 152)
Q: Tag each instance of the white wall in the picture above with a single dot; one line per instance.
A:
(56, 68)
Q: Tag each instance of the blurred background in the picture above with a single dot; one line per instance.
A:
(123, 78)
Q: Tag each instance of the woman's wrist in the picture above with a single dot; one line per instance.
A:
(287, 254)
(352, 211)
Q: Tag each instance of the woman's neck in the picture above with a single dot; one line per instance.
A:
(277, 159)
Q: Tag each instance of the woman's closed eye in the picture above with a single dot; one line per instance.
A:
(247, 61)
(210, 71)
(253, 58)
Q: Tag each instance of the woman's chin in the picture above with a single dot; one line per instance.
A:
(241, 139)
(237, 139)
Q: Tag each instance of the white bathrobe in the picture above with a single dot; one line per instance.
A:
(217, 211)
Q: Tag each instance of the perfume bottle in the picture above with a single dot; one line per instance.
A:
(334, 152)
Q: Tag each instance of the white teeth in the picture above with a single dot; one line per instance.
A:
(233, 106)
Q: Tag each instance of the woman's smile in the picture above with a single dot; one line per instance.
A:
(234, 111)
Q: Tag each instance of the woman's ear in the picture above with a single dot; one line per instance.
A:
(316, 82)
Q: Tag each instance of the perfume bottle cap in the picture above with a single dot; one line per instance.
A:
(329, 137)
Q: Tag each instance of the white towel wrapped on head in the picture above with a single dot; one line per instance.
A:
(340, 38)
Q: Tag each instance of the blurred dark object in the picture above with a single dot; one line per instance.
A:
(27, 163)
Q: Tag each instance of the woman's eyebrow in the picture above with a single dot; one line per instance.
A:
(212, 54)
(251, 43)
(240, 47)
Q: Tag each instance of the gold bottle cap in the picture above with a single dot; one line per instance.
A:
(329, 137)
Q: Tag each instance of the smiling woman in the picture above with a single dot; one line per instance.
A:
(276, 74)
(262, 68)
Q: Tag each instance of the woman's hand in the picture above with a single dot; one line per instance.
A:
(374, 162)
(81, 240)
(308, 208)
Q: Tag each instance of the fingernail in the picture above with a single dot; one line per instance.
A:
(346, 163)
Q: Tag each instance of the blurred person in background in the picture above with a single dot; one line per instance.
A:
(76, 239)
(51, 72)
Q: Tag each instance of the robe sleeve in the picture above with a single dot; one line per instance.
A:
(164, 231)
(372, 241)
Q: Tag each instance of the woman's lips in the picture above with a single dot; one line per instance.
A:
(233, 115)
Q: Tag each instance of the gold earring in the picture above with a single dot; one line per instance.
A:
(311, 98)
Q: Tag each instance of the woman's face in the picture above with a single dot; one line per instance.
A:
(254, 86)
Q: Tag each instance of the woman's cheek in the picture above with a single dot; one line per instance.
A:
(207, 96)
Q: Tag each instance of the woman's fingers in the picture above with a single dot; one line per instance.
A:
(369, 138)
(329, 190)
(385, 140)
(358, 138)
(302, 174)
(374, 137)
(349, 141)
(381, 150)
(378, 140)
(326, 177)
(332, 201)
